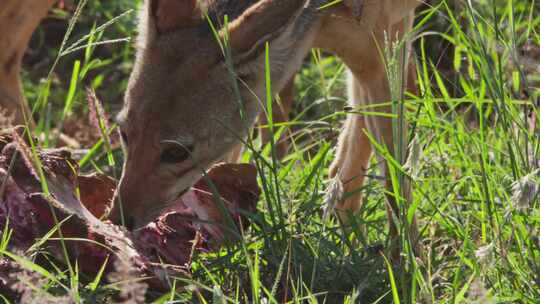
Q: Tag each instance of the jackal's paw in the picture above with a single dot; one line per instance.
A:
(356, 7)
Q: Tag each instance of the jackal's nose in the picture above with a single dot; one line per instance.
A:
(129, 223)
(124, 211)
(125, 216)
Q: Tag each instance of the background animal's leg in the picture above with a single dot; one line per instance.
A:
(353, 154)
(18, 20)
(280, 112)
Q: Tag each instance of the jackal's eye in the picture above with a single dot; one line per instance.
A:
(175, 154)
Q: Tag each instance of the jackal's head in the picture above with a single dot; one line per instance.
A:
(187, 105)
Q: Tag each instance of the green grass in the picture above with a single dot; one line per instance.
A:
(477, 159)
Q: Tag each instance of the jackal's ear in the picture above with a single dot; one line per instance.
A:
(262, 22)
(169, 15)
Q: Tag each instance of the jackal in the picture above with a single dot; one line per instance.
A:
(198, 82)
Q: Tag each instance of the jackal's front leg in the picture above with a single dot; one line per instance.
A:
(352, 158)
(354, 150)
(373, 88)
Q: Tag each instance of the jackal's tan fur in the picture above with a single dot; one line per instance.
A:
(183, 110)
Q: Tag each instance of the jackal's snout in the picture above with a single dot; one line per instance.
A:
(130, 206)
(148, 187)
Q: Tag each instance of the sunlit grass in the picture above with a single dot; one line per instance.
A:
(478, 159)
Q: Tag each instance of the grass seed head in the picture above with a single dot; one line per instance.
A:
(412, 165)
(526, 191)
(484, 254)
(333, 195)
